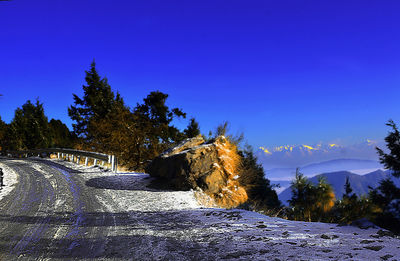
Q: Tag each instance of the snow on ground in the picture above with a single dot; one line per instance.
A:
(10, 179)
(226, 234)
(131, 192)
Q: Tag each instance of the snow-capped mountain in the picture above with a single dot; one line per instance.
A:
(356, 166)
(292, 156)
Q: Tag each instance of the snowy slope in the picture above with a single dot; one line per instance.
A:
(172, 225)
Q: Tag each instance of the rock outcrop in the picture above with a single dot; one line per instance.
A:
(195, 164)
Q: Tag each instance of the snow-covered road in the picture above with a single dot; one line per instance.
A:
(59, 210)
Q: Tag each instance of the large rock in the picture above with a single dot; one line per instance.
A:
(195, 164)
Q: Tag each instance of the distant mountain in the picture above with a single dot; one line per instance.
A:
(359, 183)
(292, 156)
(357, 166)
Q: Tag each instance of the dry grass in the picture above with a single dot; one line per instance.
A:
(228, 156)
(231, 194)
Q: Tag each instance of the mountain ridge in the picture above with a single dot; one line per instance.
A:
(356, 166)
(291, 156)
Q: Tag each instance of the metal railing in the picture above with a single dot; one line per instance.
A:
(70, 154)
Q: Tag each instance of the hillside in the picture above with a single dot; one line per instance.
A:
(91, 213)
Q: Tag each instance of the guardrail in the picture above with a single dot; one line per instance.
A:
(70, 154)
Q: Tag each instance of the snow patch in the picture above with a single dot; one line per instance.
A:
(10, 180)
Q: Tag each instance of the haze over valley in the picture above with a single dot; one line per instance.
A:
(280, 162)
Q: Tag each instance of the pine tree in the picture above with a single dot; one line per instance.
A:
(348, 190)
(392, 160)
(97, 102)
(159, 115)
(29, 128)
(386, 197)
(302, 197)
(192, 129)
(61, 136)
(138, 135)
(324, 199)
(351, 207)
(3, 130)
(14, 138)
(386, 200)
(258, 188)
(105, 124)
(127, 135)
(311, 202)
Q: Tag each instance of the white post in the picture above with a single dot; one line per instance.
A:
(86, 161)
(78, 159)
(113, 163)
(95, 162)
(58, 155)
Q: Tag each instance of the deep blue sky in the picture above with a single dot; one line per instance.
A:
(282, 72)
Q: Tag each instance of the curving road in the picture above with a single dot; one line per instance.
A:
(46, 215)
(56, 212)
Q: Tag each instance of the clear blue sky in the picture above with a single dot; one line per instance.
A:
(282, 72)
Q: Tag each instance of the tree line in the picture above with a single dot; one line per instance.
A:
(31, 129)
(102, 123)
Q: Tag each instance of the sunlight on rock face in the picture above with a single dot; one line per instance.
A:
(211, 168)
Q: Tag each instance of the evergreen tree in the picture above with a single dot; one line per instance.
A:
(125, 134)
(348, 190)
(61, 136)
(3, 130)
(386, 197)
(159, 115)
(392, 160)
(258, 188)
(192, 129)
(324, 200)
(105, 124)
(310, 202)
(136, 136)
(349, 207)
(97, 102)
(29, 128)
(302, 197)
(386, 200)
(14, 138)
